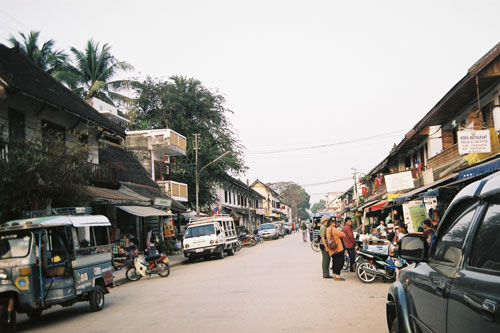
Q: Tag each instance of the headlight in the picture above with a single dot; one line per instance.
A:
(186, 246)
(3, 274)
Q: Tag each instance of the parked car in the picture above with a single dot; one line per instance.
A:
(268, 231)
(281, 230)
(288, 227)
(453, 286)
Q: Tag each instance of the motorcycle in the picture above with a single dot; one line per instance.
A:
(247, 240)
(372, 265)
(152, 263)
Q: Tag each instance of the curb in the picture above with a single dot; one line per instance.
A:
(122, 281)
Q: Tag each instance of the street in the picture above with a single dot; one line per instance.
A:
(274, 286)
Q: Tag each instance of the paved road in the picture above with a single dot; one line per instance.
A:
(275, 286)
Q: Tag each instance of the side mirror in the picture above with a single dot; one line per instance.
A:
(413, 247)
(218, 232)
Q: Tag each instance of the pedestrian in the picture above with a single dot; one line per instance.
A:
(349, 242)
(337, 255)
(382, 230)
(388, 219)
(310, 229)
(325, 256)
(303, 227)
(390, 232)
(428, 230)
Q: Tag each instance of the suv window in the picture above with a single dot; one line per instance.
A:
(486, 247)
(448, 246)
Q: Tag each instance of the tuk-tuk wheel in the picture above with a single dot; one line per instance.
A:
(96, 298)
(7, 319)
(35, 314)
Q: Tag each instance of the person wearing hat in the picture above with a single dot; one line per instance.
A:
(325, 256)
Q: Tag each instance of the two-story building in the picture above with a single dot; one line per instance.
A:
(455, 143)
(241, 202)
(272, 201)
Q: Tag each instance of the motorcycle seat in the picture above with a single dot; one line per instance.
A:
(153, 257)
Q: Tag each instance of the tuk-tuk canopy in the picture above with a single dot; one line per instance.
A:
(56, 221)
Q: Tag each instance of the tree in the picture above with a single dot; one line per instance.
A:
(294, 196)
(46, 57)
(34, 176)
(186, 106)
(318, 206)
(92, 74)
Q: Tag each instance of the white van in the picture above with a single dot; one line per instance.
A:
(206, 236)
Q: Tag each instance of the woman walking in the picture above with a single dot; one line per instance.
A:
(337, 255)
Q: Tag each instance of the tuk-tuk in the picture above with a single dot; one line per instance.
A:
(53, 260)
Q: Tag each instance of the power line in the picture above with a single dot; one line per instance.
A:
(395, 133)
(328, 182)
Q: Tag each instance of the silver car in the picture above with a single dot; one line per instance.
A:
(268, 231)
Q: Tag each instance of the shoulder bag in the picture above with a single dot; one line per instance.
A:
(332, 244)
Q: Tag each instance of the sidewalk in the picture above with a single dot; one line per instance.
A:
(119, 276)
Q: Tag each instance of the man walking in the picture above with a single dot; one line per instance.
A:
(349, 242)
(325, 263)
(303, 227)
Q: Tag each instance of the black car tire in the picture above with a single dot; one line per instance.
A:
(394, 326)
(96, 299)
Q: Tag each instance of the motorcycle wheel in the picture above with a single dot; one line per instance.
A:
(362, 275)
(163, 270)
(253, 242)
(346, 262)
(132, 274)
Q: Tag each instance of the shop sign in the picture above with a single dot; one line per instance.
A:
(161, 202)
(260, 211)
(391, 196)
(168, 227)
(399, 181)
(473, 142)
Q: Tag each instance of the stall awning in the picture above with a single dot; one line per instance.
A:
(479, 170)
(143, 211)
(377, 206)
(408, 195)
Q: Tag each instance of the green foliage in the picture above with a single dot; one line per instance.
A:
(92, 73)
(45, 57)
(186, 106)
(318, 206)
(294, 196)
(35, 175)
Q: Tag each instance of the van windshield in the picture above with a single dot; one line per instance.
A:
(202, 230)
(15, 245)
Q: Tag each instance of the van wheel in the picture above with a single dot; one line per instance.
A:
(7, 320)
(221, 253)
(230, 251)
(96, 298)
(35, 314)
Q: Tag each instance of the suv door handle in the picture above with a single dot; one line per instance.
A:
(489, 309)
(441, 288)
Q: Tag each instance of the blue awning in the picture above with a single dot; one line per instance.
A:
(407, 196)
(479, 170)
(429, 194)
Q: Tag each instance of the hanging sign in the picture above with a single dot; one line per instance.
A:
(473, 142)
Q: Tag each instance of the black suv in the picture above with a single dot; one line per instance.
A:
(453, 286)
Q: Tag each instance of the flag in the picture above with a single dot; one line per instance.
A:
(216, 210)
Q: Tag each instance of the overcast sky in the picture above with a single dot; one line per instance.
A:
(353, 76)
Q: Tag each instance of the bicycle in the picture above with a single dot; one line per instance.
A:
(315, 245)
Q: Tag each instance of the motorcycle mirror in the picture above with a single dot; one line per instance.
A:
(398, 263)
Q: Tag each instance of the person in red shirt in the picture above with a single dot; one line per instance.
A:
(349, 242)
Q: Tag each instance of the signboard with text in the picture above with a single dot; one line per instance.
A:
(473, 142)
(399, 181)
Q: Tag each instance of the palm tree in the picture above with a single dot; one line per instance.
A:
(92, 73)
(46, 57)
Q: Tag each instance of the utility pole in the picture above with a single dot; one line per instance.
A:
(248, 205)
(196, 174)
(354, 174)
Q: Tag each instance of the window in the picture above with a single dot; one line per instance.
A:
(225, 196)
(101, 235)
(448, 246)
(486, 248)
(16, 127)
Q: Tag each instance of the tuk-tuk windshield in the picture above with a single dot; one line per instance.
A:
(15, 245)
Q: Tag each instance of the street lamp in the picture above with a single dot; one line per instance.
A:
(197, 176)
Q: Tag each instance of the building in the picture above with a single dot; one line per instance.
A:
(271, 203)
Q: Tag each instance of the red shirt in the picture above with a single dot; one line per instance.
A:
(349, 241)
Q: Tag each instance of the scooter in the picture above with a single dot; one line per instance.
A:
(371, 265)
(247, 240)
(152, 263)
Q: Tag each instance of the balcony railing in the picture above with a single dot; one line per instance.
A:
(178, 191)
(99, 174)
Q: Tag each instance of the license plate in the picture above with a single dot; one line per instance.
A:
(198, 250)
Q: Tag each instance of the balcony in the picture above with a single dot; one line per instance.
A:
(160, 142)
(178, 191)
(101, 175)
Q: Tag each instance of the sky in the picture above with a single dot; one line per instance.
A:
(317, 88)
